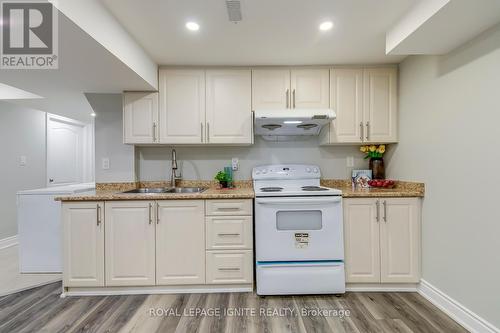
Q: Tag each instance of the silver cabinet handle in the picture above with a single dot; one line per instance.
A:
(208, 132)
(228, 208)
(154, 132)
(228, 235)
(378, 210)
(98, 214)
(385, 211)
(293, 94)
(362, 130)
(287, 98)
(229, 269)
(252, 129)
(201, 131)
(157, 213)
(367, 130)
(150, 215)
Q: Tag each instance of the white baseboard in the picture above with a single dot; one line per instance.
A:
(381, 287)
(8, 242)
(455, 310)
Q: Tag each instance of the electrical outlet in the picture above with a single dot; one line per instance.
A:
(105, 163)
(235, 164)
(350, 161)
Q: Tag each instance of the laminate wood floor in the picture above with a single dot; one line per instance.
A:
(42, 310)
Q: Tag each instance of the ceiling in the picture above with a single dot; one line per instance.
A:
(272, 32)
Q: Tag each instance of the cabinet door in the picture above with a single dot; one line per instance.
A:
(130, 243)
(310, 89)
(270, 89)
(400, 240)
(361, 233)
(346, 99)
(83, 244)
(180, 242)
(229, 110)
(380, 104)
(140, 117)
(182, 106)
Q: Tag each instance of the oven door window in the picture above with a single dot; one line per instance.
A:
(299, 220)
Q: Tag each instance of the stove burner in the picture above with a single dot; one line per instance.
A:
(313, 188)
(271, 189)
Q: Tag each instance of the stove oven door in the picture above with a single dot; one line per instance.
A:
(299, 228)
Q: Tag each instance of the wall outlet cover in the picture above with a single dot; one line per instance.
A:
(105, 163)
(235, 163)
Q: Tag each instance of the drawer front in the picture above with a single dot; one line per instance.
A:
(229, 232)
(229, 207)
(229, 267)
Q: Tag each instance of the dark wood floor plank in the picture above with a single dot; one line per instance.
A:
(41, 310)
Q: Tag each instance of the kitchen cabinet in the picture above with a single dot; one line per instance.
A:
(283, 89)
(130, 243)
(382, 240)
(229, 106)
(310, 88)
(83, 245)
(140, 117)
(365, 101)
(182, 106)
(180, 242)
(227, 267)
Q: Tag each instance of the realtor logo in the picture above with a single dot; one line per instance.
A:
(29, 35)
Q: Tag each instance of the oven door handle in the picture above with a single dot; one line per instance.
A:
(294, 201)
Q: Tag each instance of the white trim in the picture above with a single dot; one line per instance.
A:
(147, 290)
(381, 287)
(8, 242)
(465, 317)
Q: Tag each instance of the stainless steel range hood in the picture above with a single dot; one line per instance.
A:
(296, 122)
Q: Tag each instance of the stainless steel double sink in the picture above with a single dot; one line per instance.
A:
(160, 190)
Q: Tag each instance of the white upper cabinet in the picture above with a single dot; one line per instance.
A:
(228, 106)
(140, 117)
(380, 104)
(310, 89)
(270, 89)
(346, 99)
(365, 101)
(182, 106)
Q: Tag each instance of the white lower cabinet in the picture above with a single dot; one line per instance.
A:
(171, 243)
(180, 242)
(382, 240)
(226, 267)
(130, 243)
(83, 231)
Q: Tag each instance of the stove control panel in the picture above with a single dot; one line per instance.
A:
(286, 171)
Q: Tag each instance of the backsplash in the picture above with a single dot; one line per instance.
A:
(201, 163)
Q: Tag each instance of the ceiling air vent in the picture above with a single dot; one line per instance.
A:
(233, 10)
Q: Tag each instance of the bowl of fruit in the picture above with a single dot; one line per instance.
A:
(382, 183)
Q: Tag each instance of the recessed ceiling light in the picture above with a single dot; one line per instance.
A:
(193, 26)
(327, 25)
(93, 114)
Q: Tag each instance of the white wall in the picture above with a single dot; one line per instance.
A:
(22, 133)
(204, 162)
(449, 139)
(109, 140)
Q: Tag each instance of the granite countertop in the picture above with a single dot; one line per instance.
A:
(243, 190)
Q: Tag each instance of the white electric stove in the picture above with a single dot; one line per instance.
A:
(298, 232)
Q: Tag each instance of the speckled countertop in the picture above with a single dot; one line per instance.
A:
(243, 190)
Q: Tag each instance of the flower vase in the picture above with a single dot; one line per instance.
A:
(377, 167)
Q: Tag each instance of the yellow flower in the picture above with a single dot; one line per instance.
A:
(373, 148)
(363, 149)
(381, 149)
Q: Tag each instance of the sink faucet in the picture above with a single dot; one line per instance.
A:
(173, 175)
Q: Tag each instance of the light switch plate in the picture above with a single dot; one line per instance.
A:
(22, 160)
(235, 164)
(350, 161)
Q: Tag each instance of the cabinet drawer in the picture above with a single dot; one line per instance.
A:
(229, 207)
(229, 267)
(229, 232)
